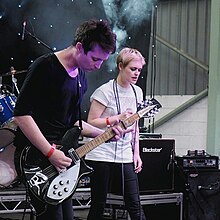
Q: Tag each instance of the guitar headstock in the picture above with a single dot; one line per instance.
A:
(149, 108)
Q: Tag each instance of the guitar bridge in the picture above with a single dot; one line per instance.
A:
(74, 156)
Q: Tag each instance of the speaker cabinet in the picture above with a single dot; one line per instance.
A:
(201, 190)
(157, 174)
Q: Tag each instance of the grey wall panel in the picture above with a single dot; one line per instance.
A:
(184, 25)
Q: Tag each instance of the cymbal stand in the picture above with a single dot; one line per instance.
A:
(14, 81)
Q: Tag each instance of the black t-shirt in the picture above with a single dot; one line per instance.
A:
(51, 97)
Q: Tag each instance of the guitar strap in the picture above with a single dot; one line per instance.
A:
(135, 96)
(134, 140)
(115, 90)
(116, 94)
(80, 99)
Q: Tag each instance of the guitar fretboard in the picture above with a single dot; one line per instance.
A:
(107, 135)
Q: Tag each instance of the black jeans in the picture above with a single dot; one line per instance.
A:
(62, 211)
(118, 178)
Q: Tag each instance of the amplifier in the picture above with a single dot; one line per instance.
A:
(157, 174)
(198, 162)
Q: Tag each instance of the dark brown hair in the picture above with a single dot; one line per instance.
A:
(93, 32)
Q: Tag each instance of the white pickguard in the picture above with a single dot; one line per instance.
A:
(63, 185)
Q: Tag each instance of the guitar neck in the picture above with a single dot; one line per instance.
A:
(107, 135)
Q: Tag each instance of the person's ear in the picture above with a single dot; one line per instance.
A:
(79, 47)
(120, 66)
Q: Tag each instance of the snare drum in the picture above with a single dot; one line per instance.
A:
(7, 105)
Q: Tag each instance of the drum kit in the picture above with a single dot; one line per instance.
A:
(7, 131)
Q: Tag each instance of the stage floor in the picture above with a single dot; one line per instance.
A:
(13, 202)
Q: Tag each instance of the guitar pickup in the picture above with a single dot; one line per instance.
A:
(73, 155)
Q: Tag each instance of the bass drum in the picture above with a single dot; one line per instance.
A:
(8, 173)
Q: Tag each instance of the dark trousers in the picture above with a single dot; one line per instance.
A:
(63, 211)
(117, 178)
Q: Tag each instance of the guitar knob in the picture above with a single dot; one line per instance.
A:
(55, 187)
(60, 193)
(61, 182)
(66, 189)
(54, 192)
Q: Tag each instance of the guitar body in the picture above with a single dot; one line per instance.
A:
(45, 184)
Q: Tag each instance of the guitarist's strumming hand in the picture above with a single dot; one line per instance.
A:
(59, 160)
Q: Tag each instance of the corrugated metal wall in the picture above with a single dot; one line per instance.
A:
(180, 35)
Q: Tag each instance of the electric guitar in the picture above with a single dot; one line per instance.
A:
(46, 184)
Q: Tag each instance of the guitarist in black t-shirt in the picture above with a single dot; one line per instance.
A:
(49, 105)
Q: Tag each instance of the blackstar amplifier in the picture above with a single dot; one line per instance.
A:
(157, 174)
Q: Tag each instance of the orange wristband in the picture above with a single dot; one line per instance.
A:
(107, 122)
(52, 149)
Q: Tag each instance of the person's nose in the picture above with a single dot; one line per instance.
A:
(98, 64)
(137, 73)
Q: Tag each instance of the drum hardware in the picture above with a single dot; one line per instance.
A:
(1, 108)
(13, 72)
(2, 148)
(14, 80)
(5, 89)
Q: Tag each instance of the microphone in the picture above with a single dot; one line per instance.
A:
(23, 30)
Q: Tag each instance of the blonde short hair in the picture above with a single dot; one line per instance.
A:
(126, 55)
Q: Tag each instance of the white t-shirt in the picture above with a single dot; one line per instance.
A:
(120, 151)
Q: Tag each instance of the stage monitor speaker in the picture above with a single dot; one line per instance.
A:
(157, 174)
(201, 195)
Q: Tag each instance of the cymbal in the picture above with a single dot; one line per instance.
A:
(13, 72)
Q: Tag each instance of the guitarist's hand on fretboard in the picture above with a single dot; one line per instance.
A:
(119, 132)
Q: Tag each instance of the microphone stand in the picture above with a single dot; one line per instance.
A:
(14, 80)
(38, 40)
